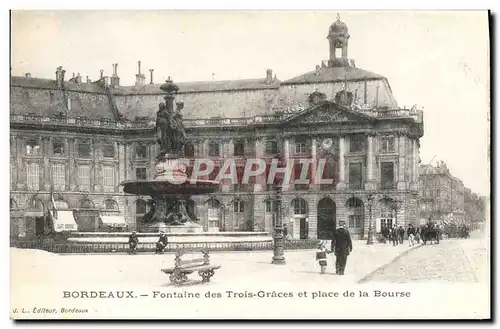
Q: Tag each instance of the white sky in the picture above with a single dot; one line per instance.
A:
(438, 60)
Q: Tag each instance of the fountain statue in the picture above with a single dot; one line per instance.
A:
(170, 189)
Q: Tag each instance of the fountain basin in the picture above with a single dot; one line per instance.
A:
(170, 188)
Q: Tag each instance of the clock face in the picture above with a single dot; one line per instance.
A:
(327, 143)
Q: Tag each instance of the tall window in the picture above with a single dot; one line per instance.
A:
(271, 147)
(272, 205)
(387, 143)
(238, 206)
(386, 213)
(239, 148)
(140, 173)
(299, 206)
(355, 176)
(355, 213)
(58, 176)
(213, 149)
(58, 148)
(141, 151)
(297, 168)
(33, 147)
(33, 176)
(108, 176)
(300, 145)
(387, 175)
(356, 143)
(84, 177)
(108, 151)
(84, 150)
(213, 208)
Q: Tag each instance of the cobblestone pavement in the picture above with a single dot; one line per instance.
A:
(452, 260)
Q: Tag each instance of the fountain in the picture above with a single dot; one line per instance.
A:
(171, 188)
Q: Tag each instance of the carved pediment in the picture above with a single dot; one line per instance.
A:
(329, 113)
(326, 115)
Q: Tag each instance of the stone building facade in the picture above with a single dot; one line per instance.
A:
(82, 138)
(442, 194)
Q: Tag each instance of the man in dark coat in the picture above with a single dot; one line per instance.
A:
(133, 241)
(394, 235)
(162, 243)
(401, 233)
(342, 247)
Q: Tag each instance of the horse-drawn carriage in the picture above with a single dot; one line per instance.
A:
(430, 232)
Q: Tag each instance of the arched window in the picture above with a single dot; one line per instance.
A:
(386, 213)
(111, 204)
(36, 204)
(86, 204)
(299, 206)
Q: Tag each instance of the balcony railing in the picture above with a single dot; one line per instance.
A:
(256, 120)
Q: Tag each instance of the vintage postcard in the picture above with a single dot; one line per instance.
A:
(250, 165)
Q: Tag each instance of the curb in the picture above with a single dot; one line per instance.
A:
(383, 267)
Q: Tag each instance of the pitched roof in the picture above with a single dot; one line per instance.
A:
(334, 74)
(43, 97)
(202, 86)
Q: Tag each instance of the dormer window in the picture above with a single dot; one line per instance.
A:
(84, 150)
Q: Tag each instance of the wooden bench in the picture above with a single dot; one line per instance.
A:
(178, 273)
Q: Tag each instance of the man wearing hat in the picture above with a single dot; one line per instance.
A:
(341, 246)
(162, 243)
(133, 241)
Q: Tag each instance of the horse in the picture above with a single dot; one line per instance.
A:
(429, 233)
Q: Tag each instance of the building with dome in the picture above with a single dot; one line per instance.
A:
(81, 138)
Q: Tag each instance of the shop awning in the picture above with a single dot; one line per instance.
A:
(113, 221)
(64, 221)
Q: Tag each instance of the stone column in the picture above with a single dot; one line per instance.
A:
(21, 174)
(121, 168)
(260, 181)
(47, 177)
(401, 162)
(341, 185)
(228, 154)
(370, 183)
(415, 165)
(286, 155)
(313, 184)
(72, 170)
(93, 167)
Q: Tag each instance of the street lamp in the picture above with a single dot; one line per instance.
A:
(370, 228)
(278, 250)
(396, 205)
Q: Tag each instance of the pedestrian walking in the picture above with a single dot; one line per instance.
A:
(341, 247)
(411, 235)
(401, 233)
(394, 235)
(321, 256)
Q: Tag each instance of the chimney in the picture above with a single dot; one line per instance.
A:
(78, 78)
(60, 76)
(269, 76)
(102, 74)
(28, 75)
(73, 78)
(115, 80)
(139, 77)
(151, 76)
(87, 79)
(318, 68)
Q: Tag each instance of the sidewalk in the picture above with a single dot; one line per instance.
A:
(238, 269)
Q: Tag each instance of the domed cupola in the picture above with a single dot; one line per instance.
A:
(338, 37)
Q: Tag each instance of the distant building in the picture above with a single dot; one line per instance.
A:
(83, 138)
(441, 194)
